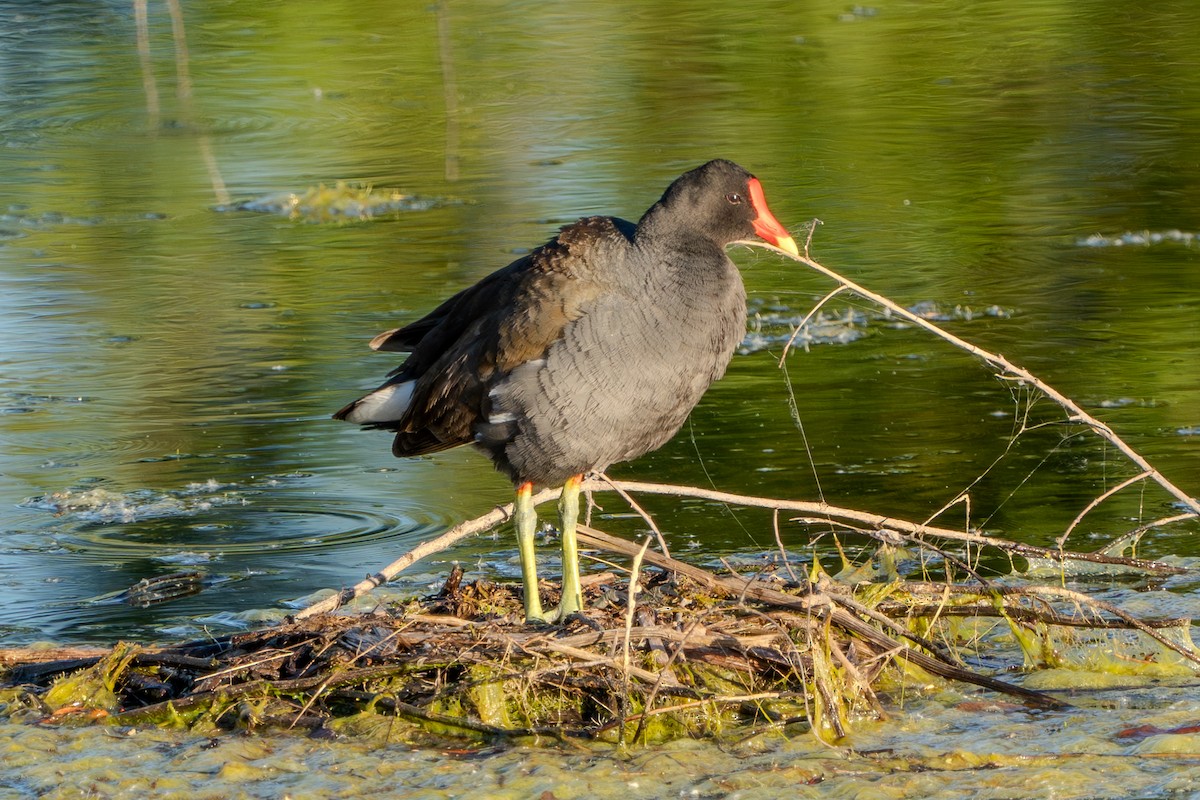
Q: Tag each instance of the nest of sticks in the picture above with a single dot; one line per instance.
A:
(684, 653)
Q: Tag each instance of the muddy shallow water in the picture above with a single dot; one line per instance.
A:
(1025, 173)
(931, 749)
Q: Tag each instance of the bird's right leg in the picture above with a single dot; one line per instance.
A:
(525, 523)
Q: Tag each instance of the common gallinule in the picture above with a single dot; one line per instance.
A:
(592, 349)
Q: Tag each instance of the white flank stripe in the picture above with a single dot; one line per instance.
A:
(385, 405)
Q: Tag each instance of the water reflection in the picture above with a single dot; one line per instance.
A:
(149, 342)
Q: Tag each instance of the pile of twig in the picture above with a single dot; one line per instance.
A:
(689, 663)
(684, 652)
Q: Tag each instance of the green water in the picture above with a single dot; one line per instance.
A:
(169, 368)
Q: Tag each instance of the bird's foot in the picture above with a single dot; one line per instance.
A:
(566, 613)
(551, 617)
(534, 614)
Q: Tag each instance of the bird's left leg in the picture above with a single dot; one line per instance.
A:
(568, 516)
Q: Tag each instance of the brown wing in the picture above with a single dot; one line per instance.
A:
(449, 319)
(484, 332)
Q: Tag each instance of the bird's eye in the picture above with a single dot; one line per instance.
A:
(734, 198)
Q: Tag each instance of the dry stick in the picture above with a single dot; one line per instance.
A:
(662, 543)
(787, 564)
(687, 638)
(312, 700)
(254, 688)
(988, 609)
(14, 657)
(809, 316)
(823, 607)
(825, 511)
(460, 531)
(856, 676)
(635, 573)
(1080, 598)
(258, 662)
(667, 669)
(724, 700)
(1062, 540)
(1158, 523)
(463, 723)
(591, 659)
(833, 711)
(812, 230)
(1009, 371)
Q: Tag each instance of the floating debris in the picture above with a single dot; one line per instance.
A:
(187, 558)
(26, 403)
(16, 221)
(1139, 238)
(774, 329)
(936, 312)
(162, 588)
(103, 505)
(774, 324)
(30, 221)
(339, 202)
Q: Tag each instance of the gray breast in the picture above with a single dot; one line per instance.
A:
(620, 381)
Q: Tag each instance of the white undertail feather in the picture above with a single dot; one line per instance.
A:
(383, 405)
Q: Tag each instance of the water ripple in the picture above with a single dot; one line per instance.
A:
(211, 521)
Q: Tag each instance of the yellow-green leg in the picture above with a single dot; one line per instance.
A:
(568, 516)
(525, 523)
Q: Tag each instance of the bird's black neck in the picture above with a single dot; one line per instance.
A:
(661, 228)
